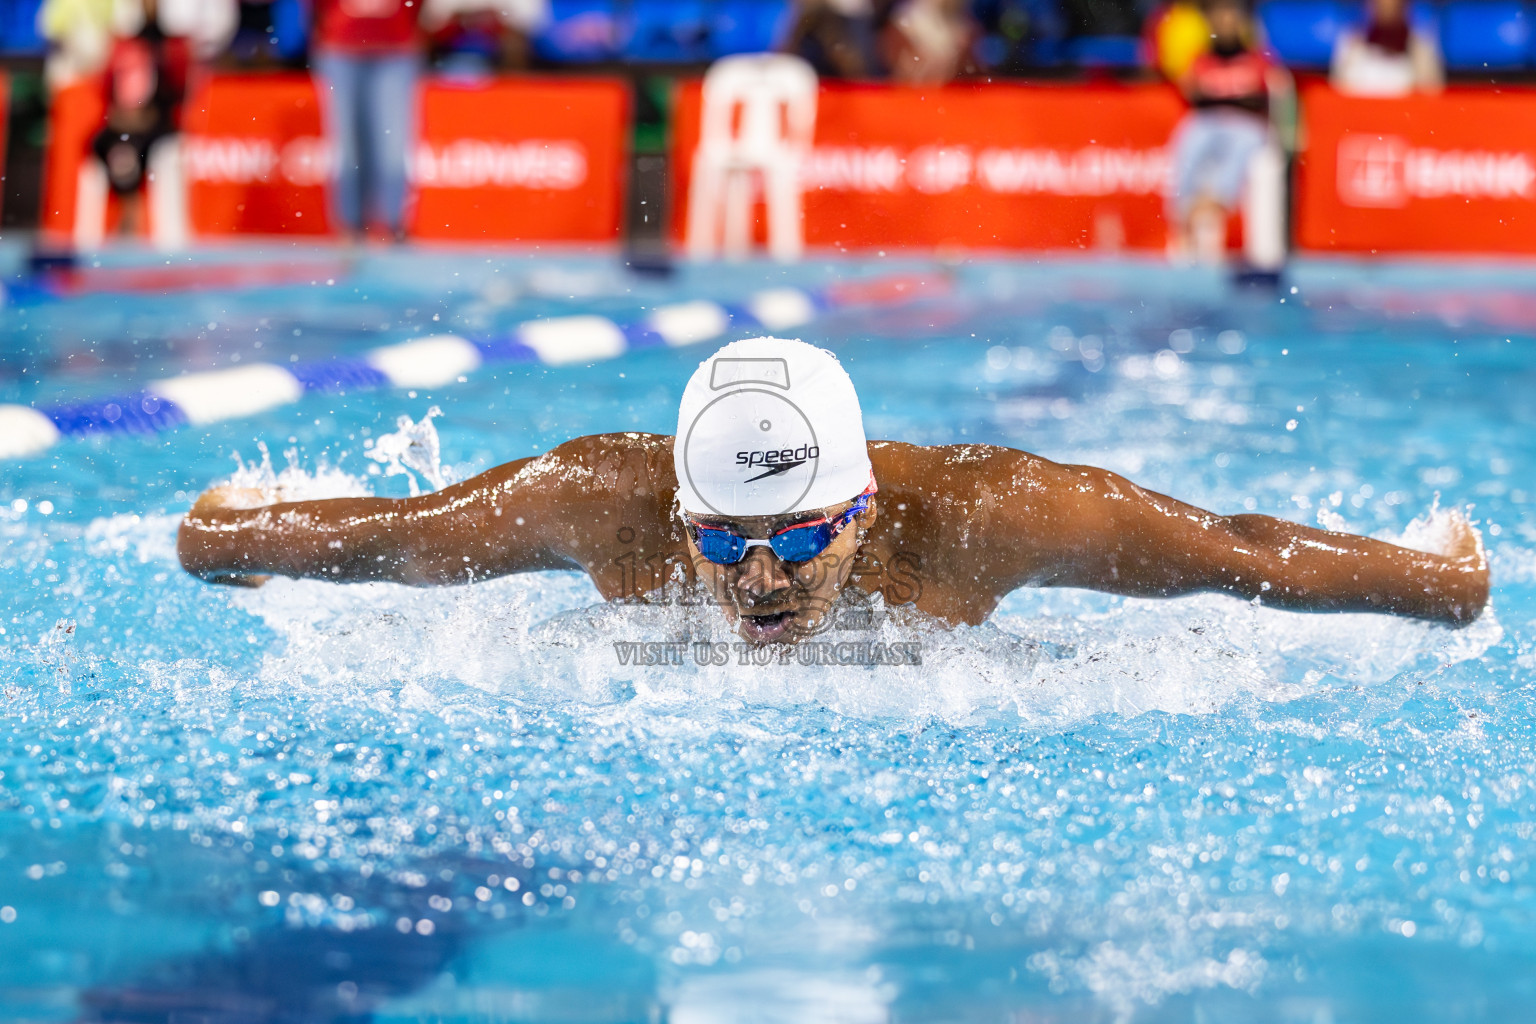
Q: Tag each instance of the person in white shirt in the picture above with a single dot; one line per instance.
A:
(1387, 57)
(80, 32)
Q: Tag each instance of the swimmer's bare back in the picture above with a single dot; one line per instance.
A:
(958, 528)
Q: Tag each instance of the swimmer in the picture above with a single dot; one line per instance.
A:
(770, 500)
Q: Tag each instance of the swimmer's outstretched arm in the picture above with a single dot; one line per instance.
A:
(1101, 531)
(520, 517)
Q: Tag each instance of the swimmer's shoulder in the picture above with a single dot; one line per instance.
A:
(957, 472)
(632, 461)
(945, 514)
(627, 469)
(634, 449)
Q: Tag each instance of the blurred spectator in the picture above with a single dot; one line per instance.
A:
(1229, 90)
(1016, 32)
(478, 35)
(269, 32)
(253, 33)
(931, 42)
(368, 59)
(837, 37)
(1389, 58)
(79, 33)
(1175, 35)
(1102, 17)
(144, 85)
(206, 25)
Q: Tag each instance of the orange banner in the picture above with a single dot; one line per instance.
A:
(523, 159)
(255, 156)
(1449, 173)
(510, 160)
(995, 166)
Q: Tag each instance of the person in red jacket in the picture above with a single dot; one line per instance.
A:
(144, 84)
(367, 55)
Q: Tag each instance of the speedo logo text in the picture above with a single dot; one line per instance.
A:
(778, 456)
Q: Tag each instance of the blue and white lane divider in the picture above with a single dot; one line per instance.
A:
(196, 399)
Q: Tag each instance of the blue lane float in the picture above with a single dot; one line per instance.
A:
(196, 399)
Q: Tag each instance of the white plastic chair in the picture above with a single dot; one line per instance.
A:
(758, 121)
(90, 204)
(166, 199)
(1264, 209)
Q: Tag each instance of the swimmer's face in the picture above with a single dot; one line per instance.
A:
(1387, 11)
(1229, 21)
(770, 600)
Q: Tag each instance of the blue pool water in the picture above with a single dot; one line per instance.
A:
(310, 803)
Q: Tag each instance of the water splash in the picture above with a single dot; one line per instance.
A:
(1437, 530)
(294, 482)
(411, 449)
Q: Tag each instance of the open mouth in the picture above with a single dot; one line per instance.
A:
(764, 629)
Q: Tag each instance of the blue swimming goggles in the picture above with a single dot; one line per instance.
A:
(799, 542)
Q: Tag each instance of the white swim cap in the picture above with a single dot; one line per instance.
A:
(766, 427)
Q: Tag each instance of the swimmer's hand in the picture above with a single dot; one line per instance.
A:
(226, 497)
(1465, 542)
(230, 496)
(1464, 548)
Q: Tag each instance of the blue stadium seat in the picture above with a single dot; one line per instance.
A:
(667, 32)
(1104, 51)
(1302, 32)
(579, 31)
(1424, 17)
(1485, 35)
(18, 28)
(748, 26)
(290, 28)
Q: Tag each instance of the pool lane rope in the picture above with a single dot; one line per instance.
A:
(198, 399)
